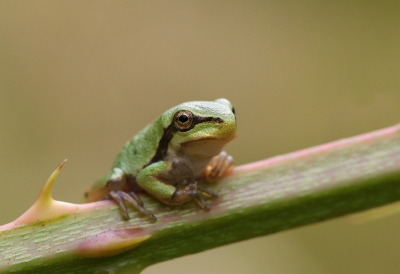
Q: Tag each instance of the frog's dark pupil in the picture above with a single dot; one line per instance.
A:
(233, 110)
(183, 118)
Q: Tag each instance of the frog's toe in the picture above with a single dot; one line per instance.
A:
(137, 199)
(200, 201)
(197, 197)
(207, 193)
(117, 198)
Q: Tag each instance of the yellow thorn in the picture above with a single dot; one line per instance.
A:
(45, 197)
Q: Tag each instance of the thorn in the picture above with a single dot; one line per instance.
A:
(62, 164)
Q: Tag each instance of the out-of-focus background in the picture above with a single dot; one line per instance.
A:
(79, 79)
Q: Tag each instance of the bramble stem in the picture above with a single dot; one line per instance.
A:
(261, 198)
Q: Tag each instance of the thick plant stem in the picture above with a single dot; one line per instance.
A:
(261, 198)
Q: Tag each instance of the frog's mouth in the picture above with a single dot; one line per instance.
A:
(201, 119)
(208, 139)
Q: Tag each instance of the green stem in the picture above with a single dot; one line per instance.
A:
(261, 198)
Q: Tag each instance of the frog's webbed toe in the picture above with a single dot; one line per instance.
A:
(219, 166)
(122, 198)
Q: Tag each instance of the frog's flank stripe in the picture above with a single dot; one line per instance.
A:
(162, 148)
(170, 131)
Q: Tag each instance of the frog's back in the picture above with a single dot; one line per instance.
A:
(138, 152)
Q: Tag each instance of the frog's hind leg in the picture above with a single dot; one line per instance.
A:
(151, 180)
(121, 198)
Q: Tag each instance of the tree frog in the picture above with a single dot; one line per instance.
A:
(168, 156)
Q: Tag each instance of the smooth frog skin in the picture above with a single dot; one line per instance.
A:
(167, 157)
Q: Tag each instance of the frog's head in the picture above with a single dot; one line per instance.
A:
(201, 127)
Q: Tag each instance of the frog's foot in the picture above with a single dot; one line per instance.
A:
(192, 192)
(121, 198)
(219, 166)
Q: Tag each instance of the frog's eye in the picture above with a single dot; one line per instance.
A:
(233, 111)
(183, 120)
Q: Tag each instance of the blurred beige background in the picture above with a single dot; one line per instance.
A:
(79, 79)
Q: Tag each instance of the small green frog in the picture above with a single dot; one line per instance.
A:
(168, 156)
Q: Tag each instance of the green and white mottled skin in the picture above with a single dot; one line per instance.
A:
(168, 156)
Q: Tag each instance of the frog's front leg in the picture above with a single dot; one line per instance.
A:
(153, 179)
(218, 167)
